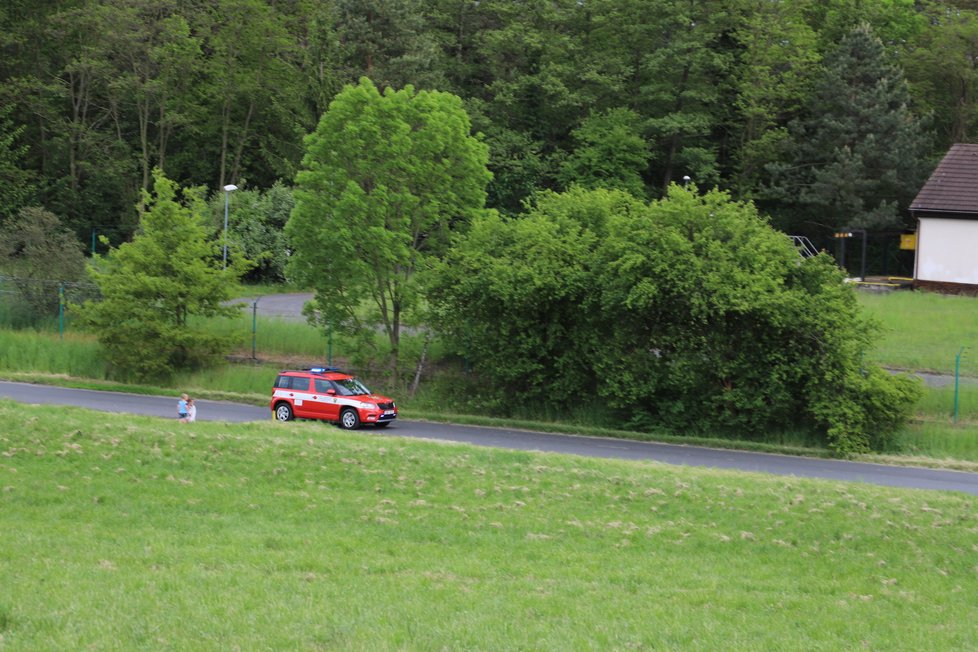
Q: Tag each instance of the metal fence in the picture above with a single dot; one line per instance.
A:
(28, 301)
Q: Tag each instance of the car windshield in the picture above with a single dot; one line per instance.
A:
(350, 387)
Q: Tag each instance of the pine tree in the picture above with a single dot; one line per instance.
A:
(857, 154)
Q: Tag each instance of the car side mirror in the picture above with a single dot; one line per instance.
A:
(331, 392)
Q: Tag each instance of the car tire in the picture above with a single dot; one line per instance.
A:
(283, 412)
(349, 419)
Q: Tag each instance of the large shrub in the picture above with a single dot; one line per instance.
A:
(690, 313)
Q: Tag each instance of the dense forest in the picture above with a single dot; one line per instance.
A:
(825, 113)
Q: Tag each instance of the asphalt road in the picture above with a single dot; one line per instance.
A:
(893, 476)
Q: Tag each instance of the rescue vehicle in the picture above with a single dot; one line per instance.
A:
(328, 394)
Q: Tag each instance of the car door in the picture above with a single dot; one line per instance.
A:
(302, 404)
(324, 398)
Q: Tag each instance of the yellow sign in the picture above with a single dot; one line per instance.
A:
(908, 241)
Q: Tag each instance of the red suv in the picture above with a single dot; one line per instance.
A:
(328, 394)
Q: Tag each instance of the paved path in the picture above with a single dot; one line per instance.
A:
(162, 406)
(283, 306)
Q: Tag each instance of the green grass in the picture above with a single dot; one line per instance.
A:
(274, 337)
(123, 533)
(938, 403)
(924, 331)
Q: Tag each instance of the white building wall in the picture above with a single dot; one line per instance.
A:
(947, 251)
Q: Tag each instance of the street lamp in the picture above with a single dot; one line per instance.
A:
(228, 189)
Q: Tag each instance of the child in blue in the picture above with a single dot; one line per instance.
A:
(182, 407)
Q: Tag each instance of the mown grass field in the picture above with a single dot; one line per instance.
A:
(122, 533)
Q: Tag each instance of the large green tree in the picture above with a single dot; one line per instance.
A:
(857, 156)
(510, 297)
(152, 286)
(690, 313)
(386, 179)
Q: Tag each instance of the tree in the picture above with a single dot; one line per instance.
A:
(156, 60)
(43, 256)
(942, 72)
(257, 229)
(508, 297)
(690, 313)
(858, 152)
(777, 60)
(389, 41)
(16, 183)
(386, 179)
(684, 79)
(610, 153)
(718, 325)
(153, 285)
(253, 78)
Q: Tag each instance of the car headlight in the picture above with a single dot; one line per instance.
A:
(368, 406)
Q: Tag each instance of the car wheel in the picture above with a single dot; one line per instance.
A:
(382, 424)
(283, 412)
(349, 419)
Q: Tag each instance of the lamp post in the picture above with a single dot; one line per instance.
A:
(228, 189)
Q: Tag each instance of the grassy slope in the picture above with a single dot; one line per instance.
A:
(136, 533)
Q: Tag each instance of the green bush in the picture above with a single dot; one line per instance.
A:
(689, 313)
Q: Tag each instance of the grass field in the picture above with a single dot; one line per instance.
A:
(122, 533)
(924, 331)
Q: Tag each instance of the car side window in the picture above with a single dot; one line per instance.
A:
(300, 384)
(283, 382)
(323, 386)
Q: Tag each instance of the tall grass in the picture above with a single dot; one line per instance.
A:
(275, 337)
(939, 440)
(938, 402)
(121, 532)
(75, 354)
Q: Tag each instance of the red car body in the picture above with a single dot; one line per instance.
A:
(329, 395)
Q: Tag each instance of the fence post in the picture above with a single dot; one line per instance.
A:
(957, 373)
(61, 310)
(254, 329)
(329, 345)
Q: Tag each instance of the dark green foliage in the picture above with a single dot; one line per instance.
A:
(16, 182)
(256, 229)
(857, 154)
(154, 285)
(101, 91)
(941, 66)
(690, 311)
(41, 256)
(610, 153)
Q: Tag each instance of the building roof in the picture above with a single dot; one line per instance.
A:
(953, 186)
